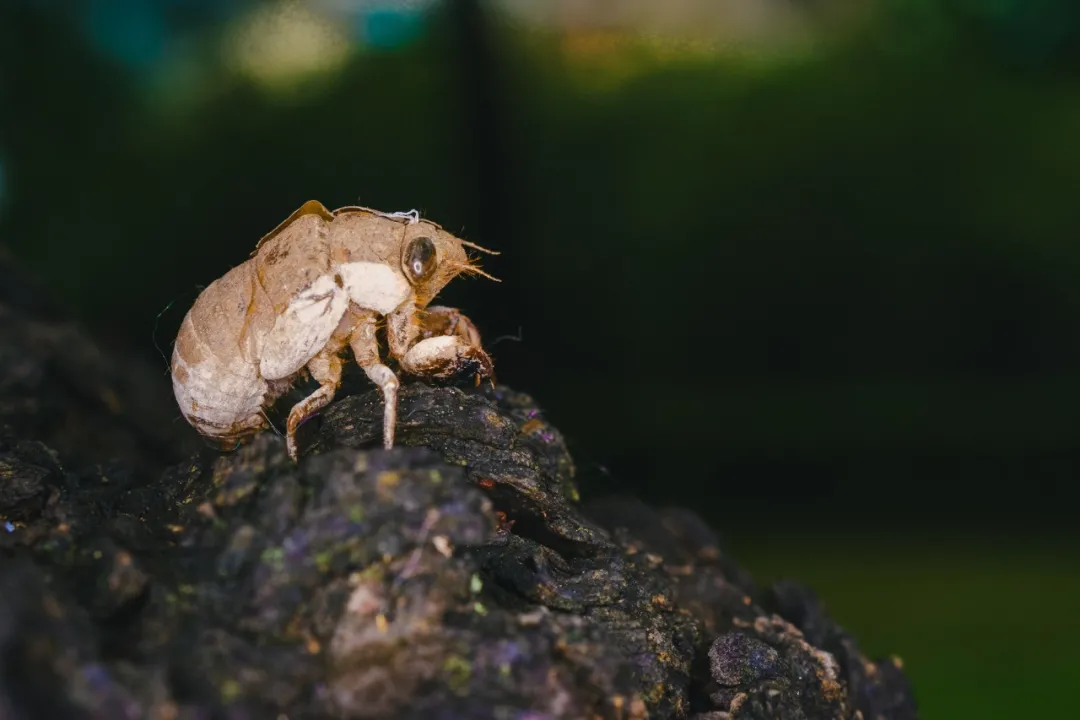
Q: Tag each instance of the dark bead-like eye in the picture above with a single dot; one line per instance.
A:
(420, 258)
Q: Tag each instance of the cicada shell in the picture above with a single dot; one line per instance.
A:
(317, 284)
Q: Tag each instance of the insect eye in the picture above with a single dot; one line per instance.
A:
(420, 258)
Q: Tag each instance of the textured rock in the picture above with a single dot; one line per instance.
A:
(455, 576)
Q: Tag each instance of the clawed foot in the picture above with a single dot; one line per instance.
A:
(446, 357)
(449, 347)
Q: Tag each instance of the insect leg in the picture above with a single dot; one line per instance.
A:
(365, 350)
(449, 345)
(325, 368)
(441, 320)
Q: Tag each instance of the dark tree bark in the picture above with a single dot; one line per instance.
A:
(455, 576)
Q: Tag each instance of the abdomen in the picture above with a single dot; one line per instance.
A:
(215, 368)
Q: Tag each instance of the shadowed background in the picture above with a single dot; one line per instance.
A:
(819, 261)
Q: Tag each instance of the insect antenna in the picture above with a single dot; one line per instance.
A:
(471, 269)
(481, 248)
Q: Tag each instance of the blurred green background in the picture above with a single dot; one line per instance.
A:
(811, 268)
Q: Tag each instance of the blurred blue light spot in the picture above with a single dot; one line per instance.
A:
(131, 31)
(8, 526)
(389, 28)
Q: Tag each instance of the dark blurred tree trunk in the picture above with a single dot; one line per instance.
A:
(485, 156)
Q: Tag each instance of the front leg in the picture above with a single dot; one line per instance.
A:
(441, 320)
(365, 348)
(443, 344)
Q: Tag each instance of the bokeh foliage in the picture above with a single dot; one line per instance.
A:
(830, 293)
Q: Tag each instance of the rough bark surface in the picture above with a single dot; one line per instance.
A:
(456, 576)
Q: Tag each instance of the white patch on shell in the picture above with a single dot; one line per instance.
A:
(375, 286)
(303, 329)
